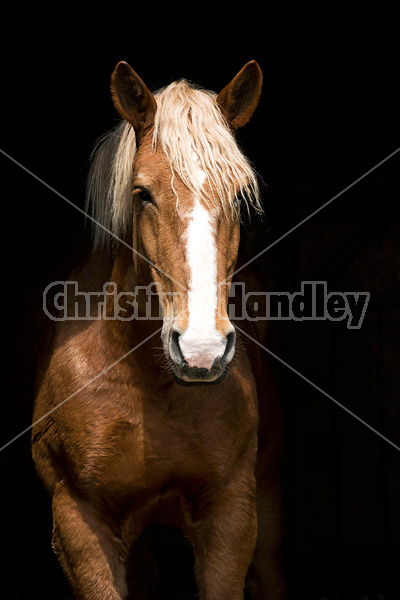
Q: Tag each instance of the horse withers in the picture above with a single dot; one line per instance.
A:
(127, 435)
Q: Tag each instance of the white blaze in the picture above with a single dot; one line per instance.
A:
(201, 343)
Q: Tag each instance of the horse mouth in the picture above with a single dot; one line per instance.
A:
(191, 376)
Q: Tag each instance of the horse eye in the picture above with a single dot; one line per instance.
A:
(237, 201)
(144, 196)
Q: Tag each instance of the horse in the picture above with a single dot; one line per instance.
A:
(127, 434)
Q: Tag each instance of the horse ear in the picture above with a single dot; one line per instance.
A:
(131, 97)
(238, 100)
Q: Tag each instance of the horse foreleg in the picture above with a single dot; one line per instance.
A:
(225, 540)
(90, 554)
(265, 578)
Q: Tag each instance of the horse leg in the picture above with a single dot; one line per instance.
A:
(265, 577)
(92, 557)
(224, 542)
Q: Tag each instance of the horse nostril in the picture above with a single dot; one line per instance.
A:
(230, 347)
(175, 348)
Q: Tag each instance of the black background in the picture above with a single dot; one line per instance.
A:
(329, 112)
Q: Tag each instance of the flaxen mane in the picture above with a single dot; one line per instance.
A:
(194, 136)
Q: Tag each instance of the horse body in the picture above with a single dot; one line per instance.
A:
(130, 445)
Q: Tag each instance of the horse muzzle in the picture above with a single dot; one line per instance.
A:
(198, 360)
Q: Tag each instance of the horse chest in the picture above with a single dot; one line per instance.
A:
(126, 456)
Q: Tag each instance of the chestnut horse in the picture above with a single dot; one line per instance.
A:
(125, 438)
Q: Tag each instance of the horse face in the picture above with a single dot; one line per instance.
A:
(192, 248)
(189, 241)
